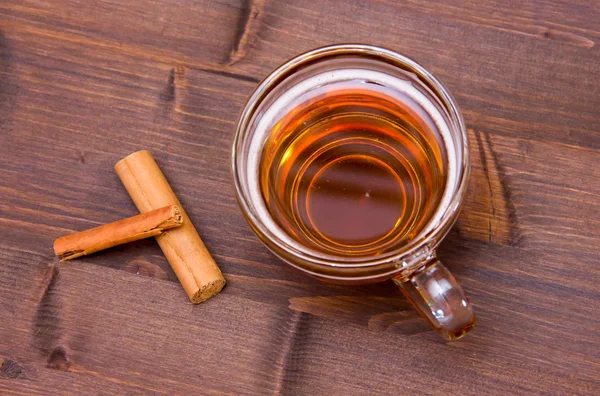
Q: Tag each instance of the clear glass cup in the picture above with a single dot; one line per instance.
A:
(413, 266)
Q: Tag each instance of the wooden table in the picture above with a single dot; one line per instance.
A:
(84, 83)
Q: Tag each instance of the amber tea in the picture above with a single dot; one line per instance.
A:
(353, 168)
(351, 162)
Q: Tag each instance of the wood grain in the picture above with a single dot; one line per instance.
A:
(83, 84)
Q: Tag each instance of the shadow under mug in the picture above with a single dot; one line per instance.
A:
(413, 266)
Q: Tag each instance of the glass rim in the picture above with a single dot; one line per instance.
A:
(287, 69)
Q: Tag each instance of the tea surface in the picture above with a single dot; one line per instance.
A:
(353, 171)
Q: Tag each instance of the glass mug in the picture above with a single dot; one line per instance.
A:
(350, 162)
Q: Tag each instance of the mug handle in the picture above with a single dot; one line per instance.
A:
(438, 297)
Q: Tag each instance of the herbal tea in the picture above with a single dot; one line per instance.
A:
(350, 163)
(352, 170)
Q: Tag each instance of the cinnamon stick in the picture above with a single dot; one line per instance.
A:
(195, 268)
(127, 230)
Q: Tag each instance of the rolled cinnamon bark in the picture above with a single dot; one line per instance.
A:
(195, 268)
(131, 229)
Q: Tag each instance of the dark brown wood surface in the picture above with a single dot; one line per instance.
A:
(84, 83)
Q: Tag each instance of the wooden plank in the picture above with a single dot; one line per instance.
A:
(197, 93)
(152, 340)
(490, 91)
